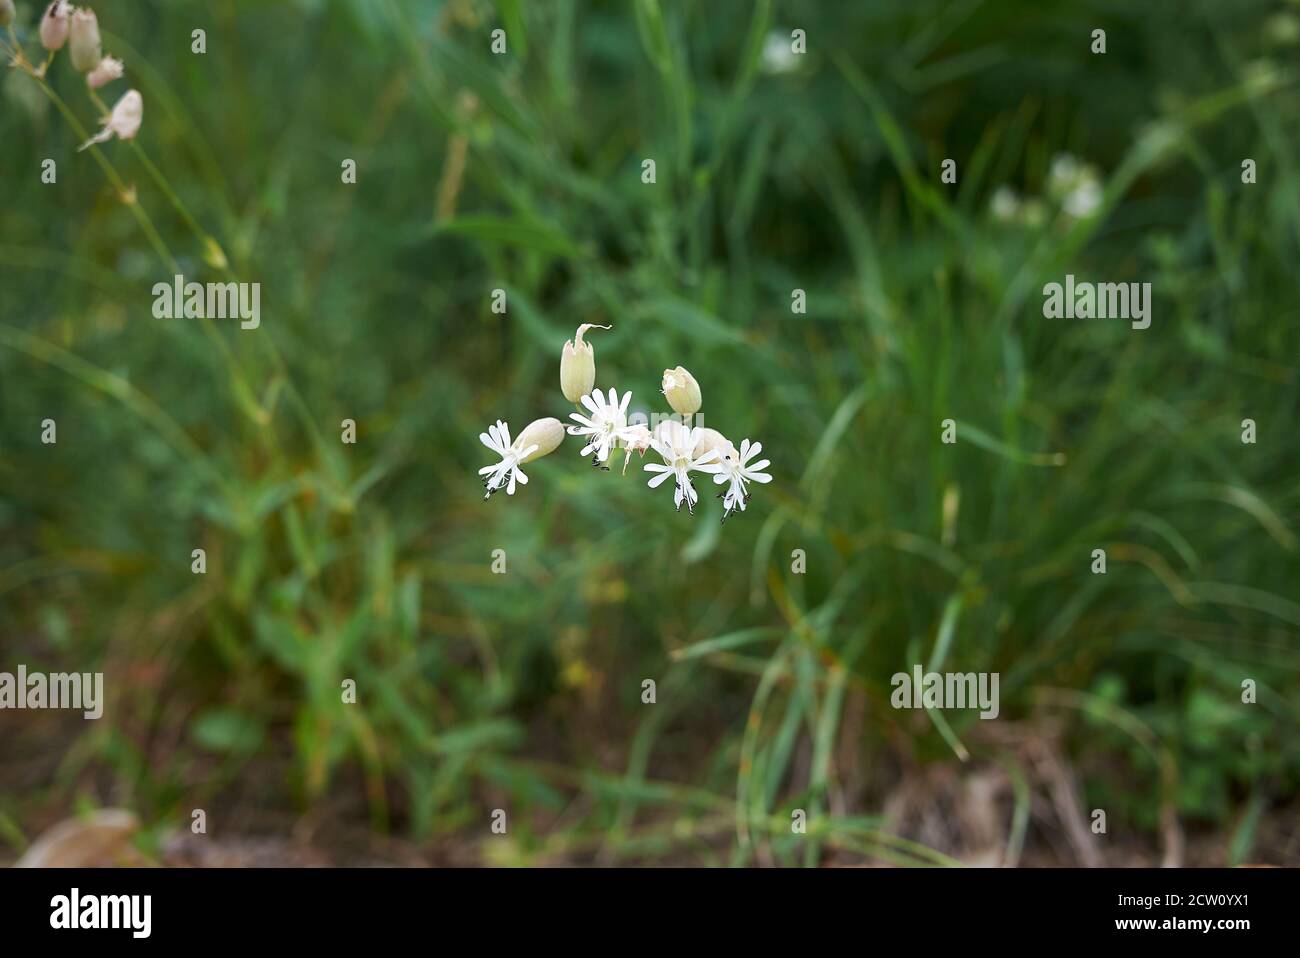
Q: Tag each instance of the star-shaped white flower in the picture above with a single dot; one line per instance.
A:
(506, 472)
(676, 444)
(606, 424)
(739, 472)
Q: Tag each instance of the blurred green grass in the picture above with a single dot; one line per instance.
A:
(522, 691)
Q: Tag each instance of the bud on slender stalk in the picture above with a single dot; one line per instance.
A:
(54, 26)
(578, 365)
(123, 122)
(84, 45)
(682, 391)
(545, 434)
(6, 12)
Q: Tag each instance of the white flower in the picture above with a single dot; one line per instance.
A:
(1075, 185)
(507, 471)
(677, 445)
(606, 424)
(124, 121)
(1063, 174)
(739, 472)
(1082, 201)
(109, 69)
(1005, 204)
(778, 54)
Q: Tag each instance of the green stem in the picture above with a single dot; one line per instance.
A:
(222, 265)
(118, 388)
(137, 210)
(247, 397)
(210, 244)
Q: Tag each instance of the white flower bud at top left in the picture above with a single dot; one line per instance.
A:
(54, 25)
(83, 42)
(682, 391)
(6, 12)
(578, 365)
(545, 434)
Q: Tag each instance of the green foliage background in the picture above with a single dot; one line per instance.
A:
(522, 691)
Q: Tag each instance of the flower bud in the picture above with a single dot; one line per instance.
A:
(711, 439)
(578, 365)
(54, 26)
(6, 12)
(545, 434)
(106, 71)
(123, 122)
(84, 40)
(682, 391)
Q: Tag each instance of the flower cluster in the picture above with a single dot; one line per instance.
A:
(1073, 189)
(601, 420)
(77, 28)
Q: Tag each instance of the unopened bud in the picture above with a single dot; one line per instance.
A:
(6, 12)
(711, 439)
(578, 365)
(545, 434)
(107, 70)
(84, 45)
(54, 26)
(682, 391)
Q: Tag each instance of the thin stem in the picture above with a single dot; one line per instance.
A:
(146, 224)
(127, 195)
(210, 243)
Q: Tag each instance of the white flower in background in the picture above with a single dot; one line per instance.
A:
(738, 472)
(605, 424)
(1074, 185)
(1083, 200)
(1004, 204)
(1065, 170)
(124, 121)
(778, 54)
(678, 447)
(507, 471)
